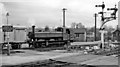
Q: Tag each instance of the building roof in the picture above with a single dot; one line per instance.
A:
(116, 31)
(78, 30)
(18, 27)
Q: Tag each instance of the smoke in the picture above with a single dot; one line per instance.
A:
(3, 12)
(31, 21)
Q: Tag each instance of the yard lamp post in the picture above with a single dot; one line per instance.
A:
(8, 46)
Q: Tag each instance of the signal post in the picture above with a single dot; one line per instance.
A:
(106, 19)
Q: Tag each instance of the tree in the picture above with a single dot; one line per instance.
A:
(73, 25)
(77, 25)
(92, 29)
(47, 28)
(80, 25)
(59, 29)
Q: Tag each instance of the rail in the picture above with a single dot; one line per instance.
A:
(114, 51)
(46, 63)
(85, 43)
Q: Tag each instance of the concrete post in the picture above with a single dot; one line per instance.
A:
(102, 38)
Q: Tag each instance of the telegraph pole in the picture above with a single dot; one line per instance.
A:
(64, 9)
(95, 25)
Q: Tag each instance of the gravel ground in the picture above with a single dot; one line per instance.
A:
(76, 59)
(31, 56)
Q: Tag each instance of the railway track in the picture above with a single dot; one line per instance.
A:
(46, 63)
(50, 48)
(4, 51)
(115, 51)
(54, 63)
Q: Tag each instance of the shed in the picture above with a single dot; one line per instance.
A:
(79, 34)
(116, 35)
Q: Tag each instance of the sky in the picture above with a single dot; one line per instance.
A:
(49, 12)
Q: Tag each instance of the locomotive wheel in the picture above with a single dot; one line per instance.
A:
(35, 45)
(14, 46)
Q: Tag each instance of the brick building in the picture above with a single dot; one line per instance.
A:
(116, 35)
(79, 34)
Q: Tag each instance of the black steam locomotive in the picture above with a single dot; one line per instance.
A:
(47, 39)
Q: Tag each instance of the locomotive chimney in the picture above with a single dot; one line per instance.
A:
(33, 30)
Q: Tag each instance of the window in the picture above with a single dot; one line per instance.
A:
(77, 34)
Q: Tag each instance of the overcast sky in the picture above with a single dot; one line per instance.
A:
(49, 12)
